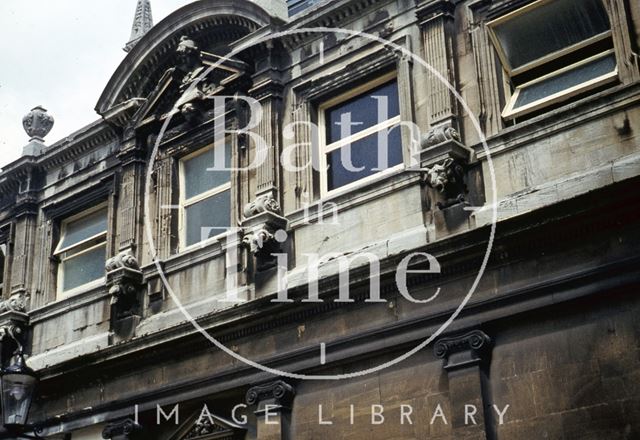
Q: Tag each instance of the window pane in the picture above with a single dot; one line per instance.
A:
(83, 268)
(566, 80)
(296, 6)
(199, 175)
(366, 110)
(85, 227)
(208, 217)
(364, 153)
(549, 28)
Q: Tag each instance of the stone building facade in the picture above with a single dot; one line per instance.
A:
(521, 184)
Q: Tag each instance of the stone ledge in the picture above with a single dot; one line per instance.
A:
(70, 351)
(560, 190)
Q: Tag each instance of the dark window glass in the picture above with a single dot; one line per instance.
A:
(566, 80)
(364, 153)
(83, 228)
(200, 174)
(364, 110)
(208, 218)
(296, 6)
(84, 268)
(546, 29)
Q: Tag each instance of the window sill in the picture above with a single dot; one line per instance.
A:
(193, 255)
(90, 295)
(371, 188)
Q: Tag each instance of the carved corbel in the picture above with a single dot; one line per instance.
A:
(124, 280)
(264, 228)
(16, 303)
(444, 159)
(123, 430)
(12, 338)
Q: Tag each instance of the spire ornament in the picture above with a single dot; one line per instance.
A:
(142, 23)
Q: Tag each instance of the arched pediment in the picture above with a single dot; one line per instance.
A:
(213, 23)
(204, 425)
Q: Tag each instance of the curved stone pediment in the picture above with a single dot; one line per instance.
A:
(215, 24)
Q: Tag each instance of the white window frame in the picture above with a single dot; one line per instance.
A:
(184, 203)
(324, 149)
(562, 95)
(509, 111)
(61, 252)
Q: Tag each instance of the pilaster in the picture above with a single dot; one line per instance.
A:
(436, 24)
(465, 357)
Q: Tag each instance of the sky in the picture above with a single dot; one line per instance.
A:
(60, 54)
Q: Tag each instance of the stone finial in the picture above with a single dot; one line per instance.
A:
(37, 123)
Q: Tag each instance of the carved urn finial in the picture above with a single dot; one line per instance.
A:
(37, 123)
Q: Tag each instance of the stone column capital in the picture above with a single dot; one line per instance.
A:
(464, 350)
(278, 393)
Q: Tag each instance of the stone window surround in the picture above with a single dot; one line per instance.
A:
(60, 293)
(319, 88)
(175, 149)
(182, 247)
(480, 12)
(100, 192)
(510, 111)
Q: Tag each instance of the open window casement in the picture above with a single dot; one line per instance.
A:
(553, 50)
(82, 250)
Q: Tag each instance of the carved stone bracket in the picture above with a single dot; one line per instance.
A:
(16, 303)
(278, 394)
(123, 430)
(464, 350)
(262, 222)
(124, 280)
(444, 158)
(13, 335)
